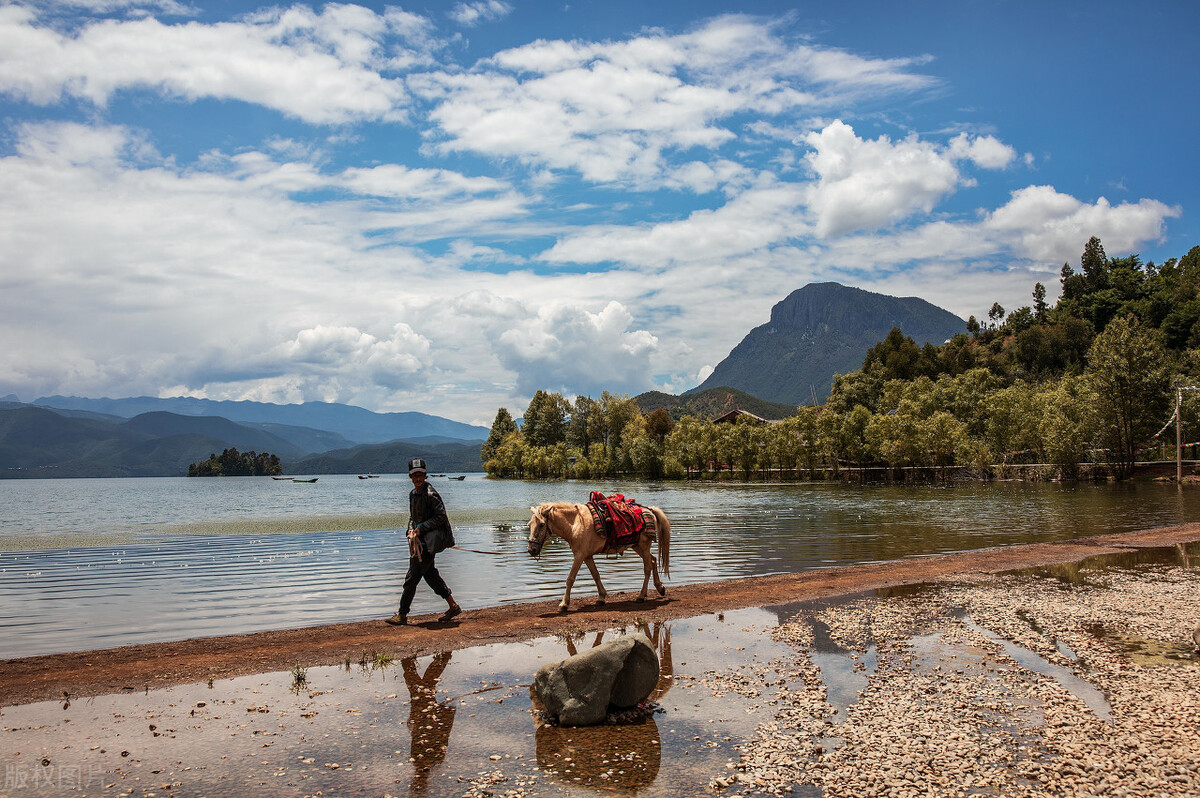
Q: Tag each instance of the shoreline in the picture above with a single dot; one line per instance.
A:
(151, 666)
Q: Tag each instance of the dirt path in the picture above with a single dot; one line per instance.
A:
(151, 666)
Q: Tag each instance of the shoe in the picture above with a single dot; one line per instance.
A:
(450, 613)
(398, 620)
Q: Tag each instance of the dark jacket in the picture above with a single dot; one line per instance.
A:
(427, 514)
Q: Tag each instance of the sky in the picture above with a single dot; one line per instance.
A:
(446, 207)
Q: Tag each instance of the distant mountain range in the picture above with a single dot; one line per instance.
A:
(335, 425)
(85, 440)
(820, 330)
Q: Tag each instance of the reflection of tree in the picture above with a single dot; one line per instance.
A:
(429, 721)
(608, 758)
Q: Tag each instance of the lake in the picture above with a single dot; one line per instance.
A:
(90, 563)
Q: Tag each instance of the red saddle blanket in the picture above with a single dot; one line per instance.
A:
(616, 518)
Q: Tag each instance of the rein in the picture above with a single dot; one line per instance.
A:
(478, 551)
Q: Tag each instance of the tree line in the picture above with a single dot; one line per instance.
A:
(232, 463)
(1091, 379)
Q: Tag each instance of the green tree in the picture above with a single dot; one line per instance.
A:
(546, 419)
(1066, 425)
(1128, 378)
(502, 427)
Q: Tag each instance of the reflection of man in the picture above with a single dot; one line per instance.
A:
(429, 721)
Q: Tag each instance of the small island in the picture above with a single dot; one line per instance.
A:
(232, 463)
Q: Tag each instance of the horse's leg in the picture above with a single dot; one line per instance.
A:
(591, 564)
(566, 599)
(647, 567)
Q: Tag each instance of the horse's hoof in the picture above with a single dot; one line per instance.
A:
(662, 591)
(562, 608)
(599, 602)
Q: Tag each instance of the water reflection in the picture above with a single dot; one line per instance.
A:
(623, 756)
(1075, 574)
(429, 720)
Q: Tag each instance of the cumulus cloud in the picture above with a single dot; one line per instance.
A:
(322, 68)
(570, 348)
(987, 152)
(865, 184)
(1047, 225)
(472, 14)
(396, 361)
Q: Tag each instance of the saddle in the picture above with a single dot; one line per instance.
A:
(617, 519)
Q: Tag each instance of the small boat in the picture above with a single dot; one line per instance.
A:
(314, 479)
(460, 479)
(282, 479)
(368, 476)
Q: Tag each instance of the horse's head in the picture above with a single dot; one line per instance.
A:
(539, 529)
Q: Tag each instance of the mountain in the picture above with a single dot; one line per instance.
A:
(41, 442)
(711, 403)
(820, 330)
(353, 424)
(163, 425)
(392, 458)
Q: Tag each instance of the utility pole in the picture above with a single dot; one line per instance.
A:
(1178, 437)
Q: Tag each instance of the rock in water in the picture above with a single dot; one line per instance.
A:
(578, 690)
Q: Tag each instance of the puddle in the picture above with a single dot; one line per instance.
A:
(1183, 555)
(429, 726)
(1143, 651)
(1080, 688)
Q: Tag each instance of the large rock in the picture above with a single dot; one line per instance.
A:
(579, 690)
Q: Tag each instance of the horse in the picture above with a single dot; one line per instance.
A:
(573, 523)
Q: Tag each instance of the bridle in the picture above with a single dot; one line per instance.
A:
(539, 532)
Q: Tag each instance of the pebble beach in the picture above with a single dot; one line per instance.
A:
(955, 704)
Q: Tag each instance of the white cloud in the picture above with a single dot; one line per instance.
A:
(615, 111)
(345, 351)
(865, 184)
(321, 68)
(1049, 226)
(987, 152)
(758, 218)
(474, 13)
(569, 348)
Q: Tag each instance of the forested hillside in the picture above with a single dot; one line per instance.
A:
(1092, 379)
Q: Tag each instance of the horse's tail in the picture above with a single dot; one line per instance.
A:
(664, 540)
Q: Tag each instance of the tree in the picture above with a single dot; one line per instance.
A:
(502, 427)
(1039, 302)
(581, 425)
(659, 425)
(1128, 378)
(545, 419)
(996, 315)
(1094, 263)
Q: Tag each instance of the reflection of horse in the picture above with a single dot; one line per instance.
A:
(659, 635)
(429, 720)
(573, 523)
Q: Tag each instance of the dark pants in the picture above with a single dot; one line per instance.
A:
(418, 570)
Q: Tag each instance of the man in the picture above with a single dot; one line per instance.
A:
(429, 532)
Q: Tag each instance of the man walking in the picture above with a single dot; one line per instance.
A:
(429, 532)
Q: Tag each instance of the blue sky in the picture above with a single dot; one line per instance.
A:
(445, 207)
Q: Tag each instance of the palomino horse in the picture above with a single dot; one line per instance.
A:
(573, 523)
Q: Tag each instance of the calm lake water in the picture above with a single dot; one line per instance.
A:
(97, 563)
